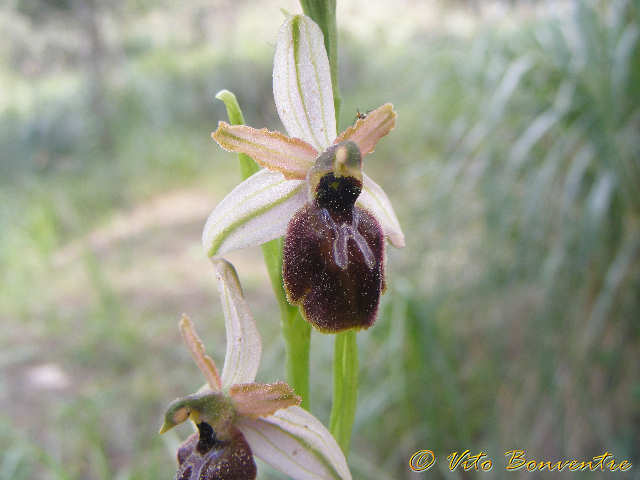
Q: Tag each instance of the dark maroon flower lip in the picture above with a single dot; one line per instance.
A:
(203, 456)
(333, 262)
(333, 250)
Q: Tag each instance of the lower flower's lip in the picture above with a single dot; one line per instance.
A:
(204, 457)
(242, 418)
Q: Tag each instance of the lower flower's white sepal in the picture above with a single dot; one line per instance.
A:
(244, 347)
(296, 443)
(256, 211)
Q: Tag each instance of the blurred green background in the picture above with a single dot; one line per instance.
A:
(511, 318)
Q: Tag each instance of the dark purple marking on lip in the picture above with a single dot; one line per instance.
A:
(204, 457)
(333, 266)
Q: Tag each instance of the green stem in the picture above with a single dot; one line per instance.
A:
(323, 12)
(296, 332)
(297, 336)
(345, 388)
(345, 356)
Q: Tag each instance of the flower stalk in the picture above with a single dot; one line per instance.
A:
(345, 388)
(345, 353)
(296, 332)
(312, 191)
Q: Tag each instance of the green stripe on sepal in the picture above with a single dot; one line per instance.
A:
(256, 211)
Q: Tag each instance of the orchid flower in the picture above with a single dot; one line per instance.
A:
(312, 191)
(237, 418)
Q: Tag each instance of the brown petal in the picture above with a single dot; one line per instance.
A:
(369, 130)
(260, 400)
(273, 150)
(205, 363)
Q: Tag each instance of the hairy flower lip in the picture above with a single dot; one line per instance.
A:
(263, 206)
(203, 456)
(233, 404)
(333, 267)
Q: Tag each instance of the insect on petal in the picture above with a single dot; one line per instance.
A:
(369, 129)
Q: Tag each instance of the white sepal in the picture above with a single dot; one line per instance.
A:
(244, 348)
(256, 211)
(296, 443)
(302, 83)
(376, 201)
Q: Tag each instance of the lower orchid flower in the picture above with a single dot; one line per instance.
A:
(237, 418)
(312, 191)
